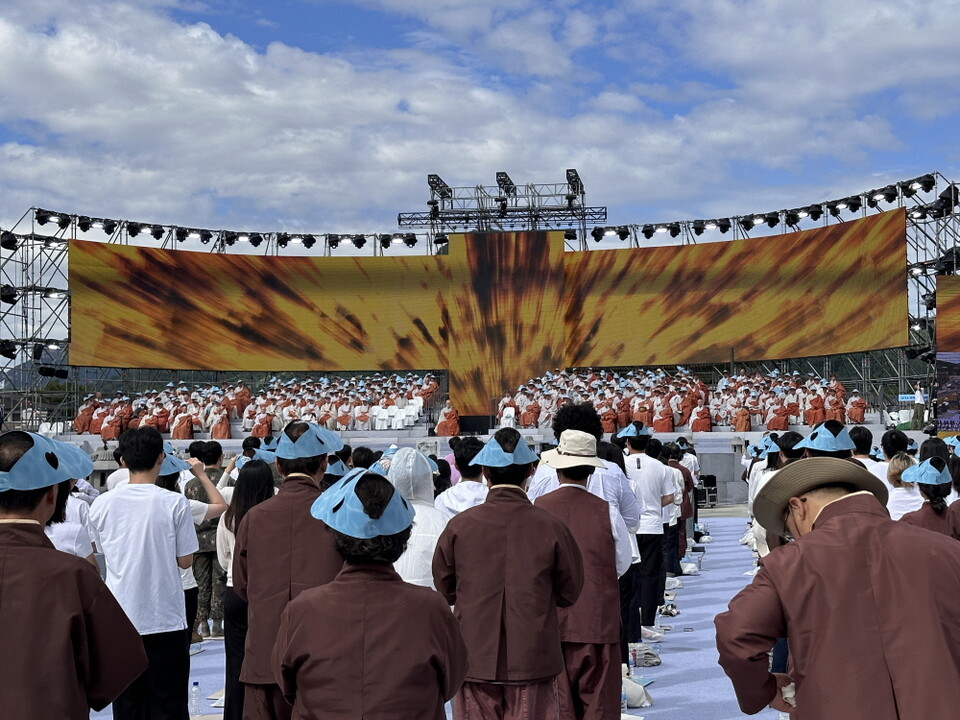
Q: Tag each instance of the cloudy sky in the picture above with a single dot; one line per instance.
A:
(326, 116)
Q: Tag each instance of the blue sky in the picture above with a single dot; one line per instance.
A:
(322, 116)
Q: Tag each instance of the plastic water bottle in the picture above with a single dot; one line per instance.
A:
(631, 663)
(196, 708)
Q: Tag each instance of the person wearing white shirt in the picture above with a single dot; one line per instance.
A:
(654, 488)
(892, 442)
(863, 439)
(904, 497)
(470, 491)
(147, 534)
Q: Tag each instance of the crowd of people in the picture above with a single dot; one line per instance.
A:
(322, 564)
(682, 401)
(371, 402)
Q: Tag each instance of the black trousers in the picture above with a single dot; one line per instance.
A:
(651, 585)
(671, 550)
(160, 693)
(234, 637)
(190, 600)
(629, 610)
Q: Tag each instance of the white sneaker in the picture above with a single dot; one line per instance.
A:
(649, 634)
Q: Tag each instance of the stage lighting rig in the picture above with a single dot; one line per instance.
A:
(854, 203)
(333, 241)
(256, 239)
(746, 223)
(9, 240)
(109, 226)
(440, 239)
(410, 240)
(506, 185)
(698, 226)
(157, 232)
(230, 238)
(574, 181)
(674, 229)
(283, 239)
(133, 229)
(439, 187)
(772, 219)
(9, 294)
(83, 223)
(8, 349)
(206, 236)
(623, 232)
(309, 241)
(597, 234)
(724, 225)
(181, 234)
(359, 241)
(791, 218)
(385, 241)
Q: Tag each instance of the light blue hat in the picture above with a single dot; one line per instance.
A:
(492, 455)
(952, 440)
(171, 463)
(336, 468)
(434, 468)
(825, 441)
(76, 462)
(927, 474)
(769, 446)
(631, 431)
(310, 444)
(341, 509)
(270, 444)
(912, 446)
(48, 462)
(330, 438)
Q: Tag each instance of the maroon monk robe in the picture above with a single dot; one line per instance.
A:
(369, 645)
(928, 519)
(67, 644)
(838, 593)
(506, 566)
(281, 550)
(590, 628)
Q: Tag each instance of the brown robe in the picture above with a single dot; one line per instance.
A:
(383, 649)
(590, 628)
(857, 410)
(838, 593)
(67, 644)
(507, 566)
(926, 518)
(281, 550)
(701, 420)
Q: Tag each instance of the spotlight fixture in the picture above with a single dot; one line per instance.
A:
(710, 225)
(230, 238)
(506, 185)
(44, 371)
(567, 235)
(597, 234)
(133, 229)
(42, 216)
(396, 238)
(359, 241)
(698, 227)
(648, 231)
(439, 187)
(109, 226)
(37, 352)
(854, 203)
(918, 213)
(746, 223)
(929, 300)
(206, 236)
(724, 225)
(309, 241)
(181, 234)
(623, 232)
(410, 240)
(772, 219)
(256, 239)
(889, 194)
(283, 239)
(54, 293)
(834, 208)
(791, 218)
(8, 240)
(83, 223)
(157, 232)
(574, 181)
(9, 294)
(674, 229)
(815, 212)
(924, 183)
(8, 349)
(333, 241)
(385, 241)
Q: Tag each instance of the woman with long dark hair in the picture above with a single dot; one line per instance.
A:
(935, 483)
(254, 485)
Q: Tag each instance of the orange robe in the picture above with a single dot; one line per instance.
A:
(262, 428)
(183, 430)
(163, 420)
(529, 417)
(701, 420)
(686, 408)
(608, 420)
(644, 414)
(221, 429)
(835, 410)
(449, 426)
(81, 423)
(663, 422)
(111, 430)
(741, 420)
(858, 409)
(779, 421)
(623, 412)
(815, 414)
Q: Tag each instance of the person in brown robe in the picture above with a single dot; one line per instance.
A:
(741, 420)
(590, 628)
(608, 418)
(384, 648)
(838, 593)
(68, 647)
(856, 408)
(281, 551)
(507, 566)
(815, 414)
(663, 422)
(780, 418)
(700, 420)
(935, 484)
(449, 424)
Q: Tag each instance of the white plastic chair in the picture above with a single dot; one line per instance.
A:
(509, 417)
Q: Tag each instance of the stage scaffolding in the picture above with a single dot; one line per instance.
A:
(38, 386)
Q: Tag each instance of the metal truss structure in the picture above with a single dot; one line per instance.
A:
(38, 386)
(507, 206)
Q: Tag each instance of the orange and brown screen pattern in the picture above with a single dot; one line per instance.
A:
(948, 314)
(500, 308)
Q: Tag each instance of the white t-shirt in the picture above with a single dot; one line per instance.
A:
(70, 537)
(117, 478)
(651, 483)
(903, 500)
(226, 541)
(142, 530)
(671, 512)
(462, 496)
(880, 470)
(198, 511)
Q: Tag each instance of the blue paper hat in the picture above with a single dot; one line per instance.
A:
(434, 468)
(631, 431)
(263, 455)
(952, 440)
(755, 450)
(310, 444)
(912, 446)
(769, 446)
(492, 455)
(269, 444)
(76, 462)
(378, 469)
(825, 441)
(48, 462)
(927, 474)
(329, 437)
(336, 468)
(341, 509)
(171, 463)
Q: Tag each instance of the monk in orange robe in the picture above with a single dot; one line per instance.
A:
(741, 420)
(700, 419)
(663, 422)
(449, 424)
(220, 430)
(608, 419)
(857, 408)
(816, 413)
(623, 412)
(530, 414)
(644, 414)
(81, 423)
(779, 420)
